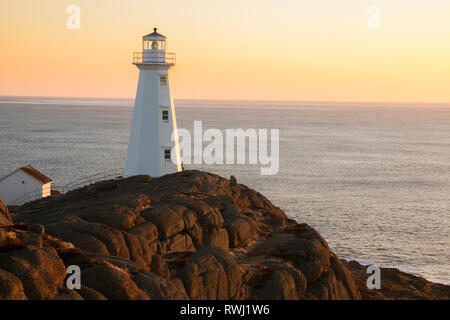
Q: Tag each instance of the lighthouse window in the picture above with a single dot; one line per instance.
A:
(163, 80)
(165, 115)
(167, 154)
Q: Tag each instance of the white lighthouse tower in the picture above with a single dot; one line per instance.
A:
(151, 149)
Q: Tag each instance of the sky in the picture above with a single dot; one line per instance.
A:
(293, 50)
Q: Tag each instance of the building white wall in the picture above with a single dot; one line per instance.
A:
(150, 135)
(46, 190)
(19, 185)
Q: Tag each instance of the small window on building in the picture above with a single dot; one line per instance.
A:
(163, 80)
(165, 115)
(167, 154)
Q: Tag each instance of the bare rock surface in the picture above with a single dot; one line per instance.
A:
(190, 235)
(397, 285)
(5, 217)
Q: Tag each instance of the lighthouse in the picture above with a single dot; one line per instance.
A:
(153, 146)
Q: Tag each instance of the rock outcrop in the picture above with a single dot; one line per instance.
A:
(190, 235)
(396, 284)
(5, 217)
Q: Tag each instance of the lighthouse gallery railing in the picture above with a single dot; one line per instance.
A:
(154, 57)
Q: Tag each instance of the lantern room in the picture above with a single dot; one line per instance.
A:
(154, 42)
(154, 50)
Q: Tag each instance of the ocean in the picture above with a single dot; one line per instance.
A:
(373, 179)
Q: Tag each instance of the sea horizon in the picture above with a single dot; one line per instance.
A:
(254, 102)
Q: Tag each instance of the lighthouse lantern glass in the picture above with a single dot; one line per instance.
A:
(154, 45)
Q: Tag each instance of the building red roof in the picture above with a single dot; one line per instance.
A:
(36, 174)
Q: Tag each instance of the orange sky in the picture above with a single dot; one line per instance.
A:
(234, 49)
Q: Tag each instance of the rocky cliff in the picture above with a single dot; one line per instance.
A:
(191, 235)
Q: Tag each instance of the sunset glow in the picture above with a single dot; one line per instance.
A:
(261, 50)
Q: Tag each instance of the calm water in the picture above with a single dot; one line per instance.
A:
(373, 180)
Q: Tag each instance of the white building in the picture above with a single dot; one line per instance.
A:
(151, 147)
(23, 185)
